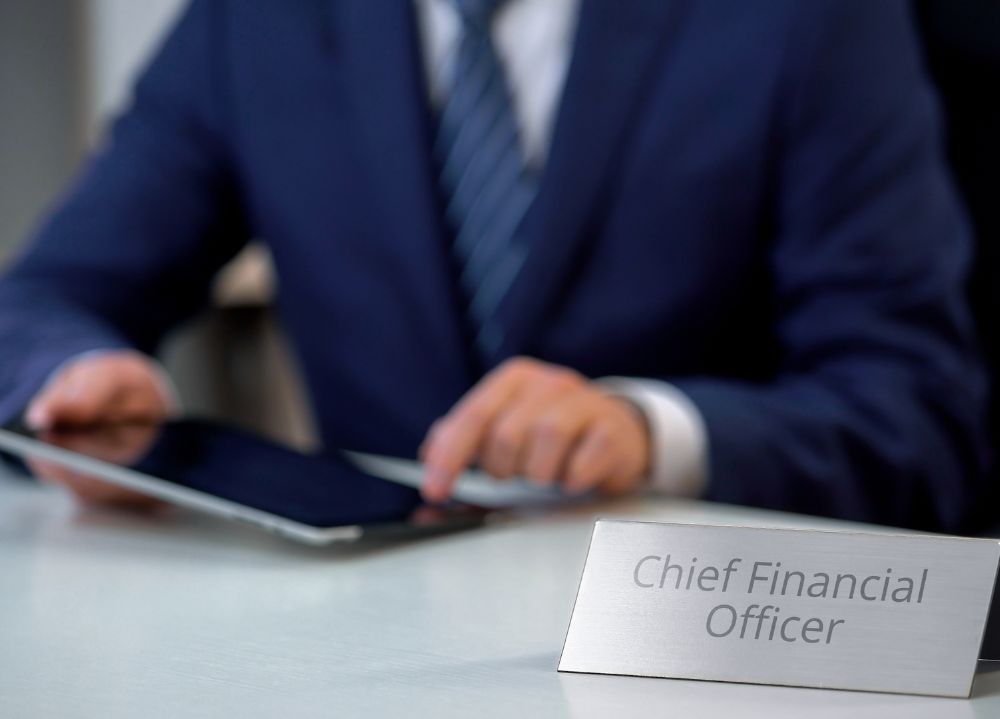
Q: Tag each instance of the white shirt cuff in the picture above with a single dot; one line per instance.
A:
(678, 438)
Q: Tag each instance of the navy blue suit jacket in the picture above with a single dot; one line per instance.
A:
(744, 198)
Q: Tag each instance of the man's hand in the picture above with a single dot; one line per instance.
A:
(544, 422)
(114, 387)
(106, 388)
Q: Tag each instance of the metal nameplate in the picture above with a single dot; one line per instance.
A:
(840, 610)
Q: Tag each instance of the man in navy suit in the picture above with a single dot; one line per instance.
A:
(708, 247)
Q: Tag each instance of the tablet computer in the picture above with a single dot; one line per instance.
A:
(314, 498)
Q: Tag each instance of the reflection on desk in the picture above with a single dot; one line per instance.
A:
(116, 615)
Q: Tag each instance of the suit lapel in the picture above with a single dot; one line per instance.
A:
(616, 43)
(377, 43)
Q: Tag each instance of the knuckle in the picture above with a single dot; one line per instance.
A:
(523, 366)
(538, 468)
(474, 413)
(436, 428)
(570, 375)
(439, 433)
(602, 436)
(512, 365)
(550, 429)
(505, 439)
(138, 373)
(69, 373)
(561, 379)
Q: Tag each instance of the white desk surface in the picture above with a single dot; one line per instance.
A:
(113, 615)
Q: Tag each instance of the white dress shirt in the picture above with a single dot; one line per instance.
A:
(534, 40)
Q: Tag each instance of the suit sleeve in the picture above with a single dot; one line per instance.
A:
(877, 412)
(130, 250)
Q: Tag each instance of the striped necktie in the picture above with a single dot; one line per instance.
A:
(487, 185)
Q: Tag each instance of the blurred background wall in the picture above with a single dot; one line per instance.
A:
(65, 66)
(119, 36)
(41, 117)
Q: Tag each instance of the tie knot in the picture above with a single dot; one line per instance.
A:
(478, 13)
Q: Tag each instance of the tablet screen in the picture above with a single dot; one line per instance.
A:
(321, 490)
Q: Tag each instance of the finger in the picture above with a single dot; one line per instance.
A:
(455, 439)
(86, 488)
(505, 444)
(504, 448)
(554, 434)
(39, 413)
(137, 402)
(79, 399)
(596, 459)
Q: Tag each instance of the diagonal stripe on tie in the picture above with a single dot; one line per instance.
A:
(492, 148)
(487, 187)
(480, 209)
(469, 115)
(498, 238)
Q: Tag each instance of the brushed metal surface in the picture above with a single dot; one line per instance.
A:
(910, 621)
